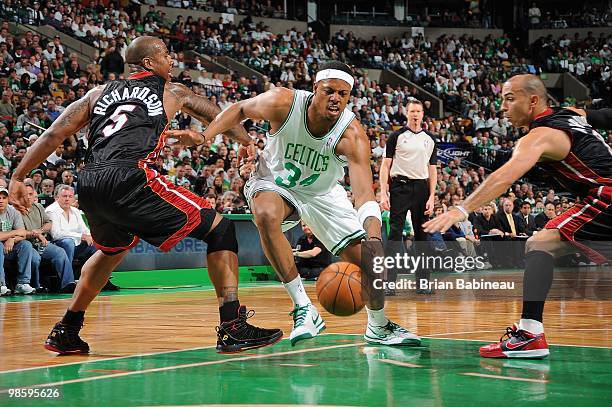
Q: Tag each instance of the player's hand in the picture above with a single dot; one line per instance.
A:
(443, 222)
(384, 201)
(581, 112)
(187, 138)
(247, 154)
(246, 170)
(17, 196)
(429, 206)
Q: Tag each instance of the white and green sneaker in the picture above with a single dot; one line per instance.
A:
(390, 334)
(307, 323)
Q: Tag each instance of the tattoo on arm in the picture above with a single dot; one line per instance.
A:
(205, 111)
(75, 116)
(202, 108)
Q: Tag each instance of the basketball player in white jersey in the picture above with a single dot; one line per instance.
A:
(313, 137)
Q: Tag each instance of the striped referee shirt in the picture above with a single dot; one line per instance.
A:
(412, 153)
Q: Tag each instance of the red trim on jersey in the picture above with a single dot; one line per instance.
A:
(546, 112)
(140, 75)
(575, 162)
(572, 220)
(117, 249)
(181, 198)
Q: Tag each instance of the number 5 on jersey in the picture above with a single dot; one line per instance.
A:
(119, 119)
(294, 176)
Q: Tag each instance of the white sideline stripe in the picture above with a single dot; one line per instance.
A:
(398, 363)
(295, 364)
(189, 365)
(459, 333)
(492, 376)
(25, 369)
(162, 291)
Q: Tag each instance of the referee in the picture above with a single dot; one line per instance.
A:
(410, 162)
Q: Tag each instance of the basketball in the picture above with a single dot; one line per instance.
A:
(340, 289)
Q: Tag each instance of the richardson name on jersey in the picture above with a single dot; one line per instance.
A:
(146, 95)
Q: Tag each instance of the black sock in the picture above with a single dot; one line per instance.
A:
(73, 317)
(536, 283)
(229, 311)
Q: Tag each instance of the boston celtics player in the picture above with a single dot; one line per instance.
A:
(313, 137)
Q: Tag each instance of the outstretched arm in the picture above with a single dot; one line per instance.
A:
(205, 111)
(272, 105)
(356, 147)
(541, 142)
(74, 118)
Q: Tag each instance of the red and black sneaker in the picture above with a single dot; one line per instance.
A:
(517, 343)
(238, 335)
(65, 340)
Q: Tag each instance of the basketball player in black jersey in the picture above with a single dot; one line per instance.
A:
(561, 141)
(126, 198)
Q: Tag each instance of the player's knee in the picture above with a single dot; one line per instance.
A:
(222, 237)
(266, 217)
(545, 241)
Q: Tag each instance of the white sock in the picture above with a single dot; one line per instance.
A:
(531, 325)
(296, 291)
(377, 317)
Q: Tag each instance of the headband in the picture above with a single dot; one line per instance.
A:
(335, 74)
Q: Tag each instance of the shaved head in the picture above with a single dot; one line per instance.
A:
(143, 47)
(149, 54)
(530, 85)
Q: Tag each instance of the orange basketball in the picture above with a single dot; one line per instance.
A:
(340, 289)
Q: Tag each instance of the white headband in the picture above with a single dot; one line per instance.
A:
(335, 74)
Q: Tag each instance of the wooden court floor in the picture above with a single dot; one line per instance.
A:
(157, 348)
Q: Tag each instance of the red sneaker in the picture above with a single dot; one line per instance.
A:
(517, 343)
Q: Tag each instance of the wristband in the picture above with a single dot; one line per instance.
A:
(369, 208)
(461, 209)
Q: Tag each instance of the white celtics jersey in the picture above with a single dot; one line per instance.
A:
(299, 161)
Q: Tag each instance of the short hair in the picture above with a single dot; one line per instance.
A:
(142, 47)
(414, 101)
(62, 187)
(341, 66)
(525, 203)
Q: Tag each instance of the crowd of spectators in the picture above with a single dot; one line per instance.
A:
(588, 58)
(578, 14)
(39, 78)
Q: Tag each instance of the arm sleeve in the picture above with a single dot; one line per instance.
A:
(391, 144)
(17, 219)
(433, 159)
(600, 119)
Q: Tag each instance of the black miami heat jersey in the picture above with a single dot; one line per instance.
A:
(127, 119)
(589, 162)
